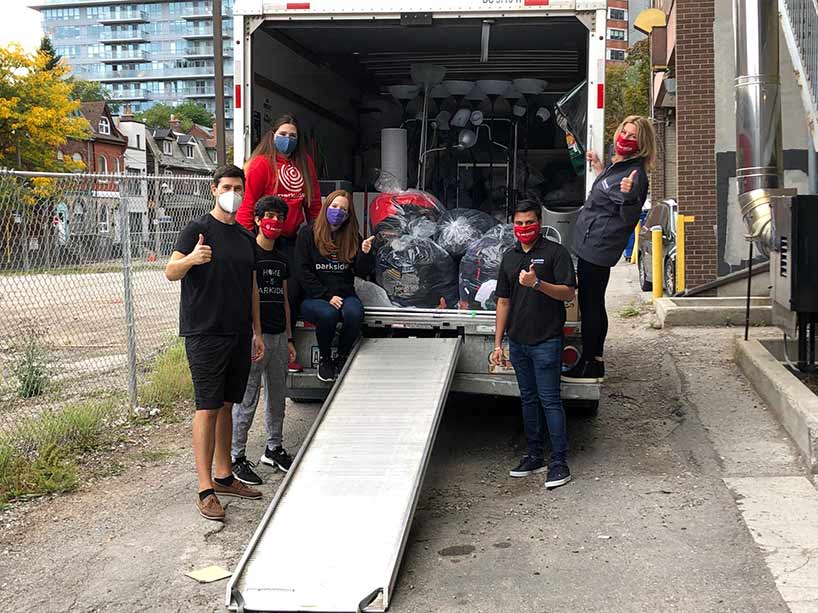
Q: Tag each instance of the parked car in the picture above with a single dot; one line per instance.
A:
(662, 214)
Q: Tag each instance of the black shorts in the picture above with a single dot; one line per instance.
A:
(219, 366)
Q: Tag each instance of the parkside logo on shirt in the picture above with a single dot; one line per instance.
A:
(291, 178)
(271, 291)
(331, 266)
(538, 261)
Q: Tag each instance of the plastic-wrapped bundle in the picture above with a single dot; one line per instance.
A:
(396, 214)
(459, 228)
(417, 272)
(479, 268)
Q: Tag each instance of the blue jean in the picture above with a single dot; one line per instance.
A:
(538, 375)
(326, 318)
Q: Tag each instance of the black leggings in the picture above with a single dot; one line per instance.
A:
(593, 281)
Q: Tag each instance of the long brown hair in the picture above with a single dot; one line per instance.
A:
(267, 148)
(345, 246)
(645, 136)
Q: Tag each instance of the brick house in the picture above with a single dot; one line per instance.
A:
(617, 43)
(103, 152)
(694, 110)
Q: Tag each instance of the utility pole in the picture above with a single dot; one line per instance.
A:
(218, 59)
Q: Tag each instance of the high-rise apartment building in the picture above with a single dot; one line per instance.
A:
(143, 52)
(617, 39)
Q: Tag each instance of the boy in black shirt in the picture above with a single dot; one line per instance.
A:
(272, 272)
(536, 278)
(215, 259)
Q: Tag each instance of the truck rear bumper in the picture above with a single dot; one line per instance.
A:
(306, 386)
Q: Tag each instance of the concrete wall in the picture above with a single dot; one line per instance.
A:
(732, 248)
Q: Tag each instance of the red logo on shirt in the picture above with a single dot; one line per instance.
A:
(291, 178)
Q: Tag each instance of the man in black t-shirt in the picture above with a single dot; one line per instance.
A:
(536, 277)
(272, 272)
(215, 259)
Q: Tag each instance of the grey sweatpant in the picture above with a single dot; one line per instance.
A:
(272, 369)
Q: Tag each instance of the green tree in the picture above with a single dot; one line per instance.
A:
(48, 49)
(627, 88)
(91, 91)
(37, 115)
(188, 113)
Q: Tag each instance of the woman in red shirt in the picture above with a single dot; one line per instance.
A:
(280, 166)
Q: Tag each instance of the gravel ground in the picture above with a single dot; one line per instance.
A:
(647, 523)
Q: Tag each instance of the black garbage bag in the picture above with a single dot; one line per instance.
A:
(479, 268)
(459, 228)
(417, 272)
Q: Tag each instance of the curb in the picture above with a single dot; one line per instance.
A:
(795, 406)
(711, 312)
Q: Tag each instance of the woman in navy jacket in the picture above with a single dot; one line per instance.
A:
(603, 228)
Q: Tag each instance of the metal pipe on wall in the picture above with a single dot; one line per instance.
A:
(759, 149)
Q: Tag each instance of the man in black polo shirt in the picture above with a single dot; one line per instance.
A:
(215, 258)
(536, 278)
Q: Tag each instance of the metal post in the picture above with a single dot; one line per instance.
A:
(812, 165)
(636, 231)
(681, 220)
(218, 58)
(749, 292)
(656, 244)
(130, 325)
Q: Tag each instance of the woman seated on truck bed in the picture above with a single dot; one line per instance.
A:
(328, 254)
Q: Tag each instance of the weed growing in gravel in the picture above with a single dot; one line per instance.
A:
(31, 370)
(37, 457)
(630, 310)
(168, 381)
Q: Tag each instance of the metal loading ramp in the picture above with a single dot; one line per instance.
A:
(333, 537)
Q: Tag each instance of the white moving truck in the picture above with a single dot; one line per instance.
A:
(334, 65)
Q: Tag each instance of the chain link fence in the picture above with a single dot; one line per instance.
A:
(84, 304)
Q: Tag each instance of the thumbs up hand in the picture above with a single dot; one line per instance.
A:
(626, 185)
(366, 246)
(528, 277)
(201, 253)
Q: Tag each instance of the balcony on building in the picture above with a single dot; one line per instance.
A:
(118, 35)
(199, 11)
(122, 15)
(128, 74)
(198, 30)
(201, 52)
(208, 91)
(118, 56)
(136, 93)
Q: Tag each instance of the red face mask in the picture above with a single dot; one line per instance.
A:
(271, 228)
(625, 145)
(527, 234)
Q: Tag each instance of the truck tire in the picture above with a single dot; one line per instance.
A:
(644, 283)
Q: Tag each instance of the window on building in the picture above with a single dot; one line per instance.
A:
(77, 157)
(617, 55)
(117, 166)
(189, 152)
(619, 14)
(167, 147)
(104, 125)
(60, 155)
(617, 34)
(102, 164)
(139, 141)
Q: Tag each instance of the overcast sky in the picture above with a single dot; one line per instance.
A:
(20, 24)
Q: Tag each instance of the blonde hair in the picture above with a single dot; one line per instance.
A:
(645, 136)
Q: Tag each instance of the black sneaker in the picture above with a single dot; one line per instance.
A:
(585, 372)
(558, 474)
(528, 466)
(243, 471)
(326, 370)
(277, 458)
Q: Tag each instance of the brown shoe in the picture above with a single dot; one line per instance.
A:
(236, 489)
(210, 508)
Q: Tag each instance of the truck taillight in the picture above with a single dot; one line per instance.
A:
(570, 355)
(537, 2)
(600, 95)
(298, 6)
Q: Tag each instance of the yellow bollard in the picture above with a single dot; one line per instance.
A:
(656, 248)
(681, 220)
(635, 254)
